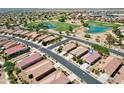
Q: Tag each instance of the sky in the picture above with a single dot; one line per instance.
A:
(61, 3)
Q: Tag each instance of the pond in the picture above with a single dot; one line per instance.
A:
(49, 25)
(97, 29)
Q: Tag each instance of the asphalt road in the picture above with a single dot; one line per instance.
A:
(90, 43)
(58, 43)
(80, 73)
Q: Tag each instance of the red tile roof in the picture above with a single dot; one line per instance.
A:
(35, 35)
(4, 42)
(29, 34)
(110, 65)
(42, 70)
(17, 32)
(34, 58)
(79, 51)
(2, 30)
(57, 77)
(40, 38)
(10, 44)
(23, 33)
(9, 31)
(61, 80)
(50, 38)
(91, 58)
(68, 47)
(15, 49)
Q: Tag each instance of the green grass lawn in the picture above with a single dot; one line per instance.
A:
(60, 26)
(100, 23)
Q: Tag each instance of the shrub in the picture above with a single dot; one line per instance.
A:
(87, 36)
(60, 49)
(17, 70)
(101, 49)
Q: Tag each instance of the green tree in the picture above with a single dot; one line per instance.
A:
(70, 28)
(78, 60)
(101, 49)
(115, 29)
(86, 24)
(82, 21)
(62, 19)
(8, 66)
(5, 57)
(37, 29)
(110, 39)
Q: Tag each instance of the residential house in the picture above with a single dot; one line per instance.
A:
(91, 58)
(111, 65)
(79, 51)
(56, 77)
(49, 39)
(40, 71)
(69, 47)
(16, 50)
(40, 38)
(30, 60)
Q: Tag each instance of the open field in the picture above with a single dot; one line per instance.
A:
(59, 26)
(99, 23)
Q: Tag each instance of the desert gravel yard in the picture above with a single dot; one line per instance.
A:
(2, 76)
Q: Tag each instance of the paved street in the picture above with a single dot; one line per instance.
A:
(80, 73)
(58, 43)
(90, 43)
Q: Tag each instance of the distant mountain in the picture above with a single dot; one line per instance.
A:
(2, 10)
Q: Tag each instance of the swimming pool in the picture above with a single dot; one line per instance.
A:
(97, 29)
